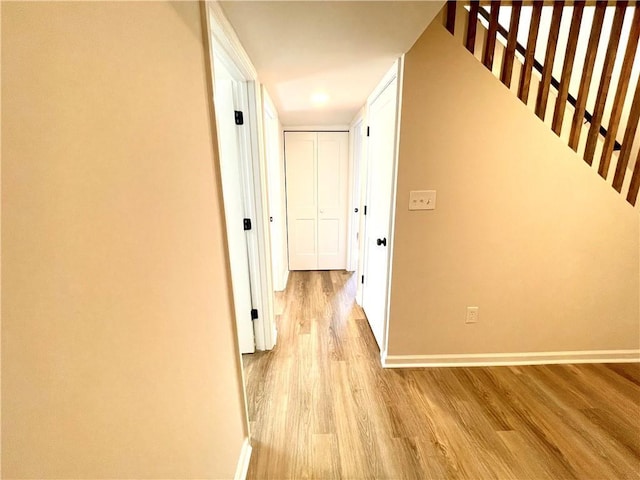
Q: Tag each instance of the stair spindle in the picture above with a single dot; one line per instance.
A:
(632, 195)
(451, 16)
(550, 55)
(567, 67)
(512, 40)
(621, 93)
(470, 41)
(529, 59)
(587, 74)
(605, 82)
(490, 44)
(627, 142)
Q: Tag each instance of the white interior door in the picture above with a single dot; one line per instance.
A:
(354, 208)
(333, 187)
(381, 153)
(276, 219)
(302, 199)
(232, 187)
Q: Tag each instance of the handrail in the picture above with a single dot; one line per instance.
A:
(521, 49)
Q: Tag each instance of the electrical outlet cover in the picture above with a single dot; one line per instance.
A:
(472, 315)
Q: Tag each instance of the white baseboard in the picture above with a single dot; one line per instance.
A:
(498, 359)
(243, 461)
(280, 285)
(285, 280)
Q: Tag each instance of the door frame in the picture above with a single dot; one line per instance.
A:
(354, 191)
(276, 176)
(225, 43)
(361, 118)
(395, 72)
(320, 136)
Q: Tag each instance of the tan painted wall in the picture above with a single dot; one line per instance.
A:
(119, 355)
(523, 229)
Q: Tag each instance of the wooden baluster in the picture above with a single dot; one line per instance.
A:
(451, 16)
(529, 59)
(605, 82)
(587, 73)
(490, 44)
(621, 93)
(471, 26)
(512, 40)
(547, 70)
(632, 194)
(627, 141)
(567, 67)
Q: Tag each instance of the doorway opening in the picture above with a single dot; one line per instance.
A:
(237, 106)
(305, 198)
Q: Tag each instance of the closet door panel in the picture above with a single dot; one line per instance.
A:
(333, 171)
(302, 200)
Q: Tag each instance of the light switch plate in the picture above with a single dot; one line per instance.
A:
(422, 200)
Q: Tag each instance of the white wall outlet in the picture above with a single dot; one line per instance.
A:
(472, 315)
(422, 200)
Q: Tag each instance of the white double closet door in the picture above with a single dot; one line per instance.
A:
(317, 172)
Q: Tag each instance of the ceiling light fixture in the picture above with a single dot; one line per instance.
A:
(319, 98)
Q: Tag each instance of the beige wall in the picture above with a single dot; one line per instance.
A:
(523, 229)
(119, 355)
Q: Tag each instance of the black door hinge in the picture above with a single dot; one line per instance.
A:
(367, 131)
(365, 209)
(247, 223)
(254, 313)
(239, 118)
(362, 280)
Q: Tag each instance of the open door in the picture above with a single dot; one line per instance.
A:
(225, 93)
(354, 207)
(275, 194)
(380, 190)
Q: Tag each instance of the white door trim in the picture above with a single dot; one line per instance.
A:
(242, 467)
(225, 42)
(318, 128)
(226, 39)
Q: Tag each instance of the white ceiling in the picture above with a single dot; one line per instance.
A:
(340, 48)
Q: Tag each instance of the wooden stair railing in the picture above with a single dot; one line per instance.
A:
(597, 133)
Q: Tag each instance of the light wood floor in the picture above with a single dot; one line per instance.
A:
(320, 406)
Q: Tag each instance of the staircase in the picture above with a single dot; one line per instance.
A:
(574, 65)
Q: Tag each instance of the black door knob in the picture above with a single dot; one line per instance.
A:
(355, 209)
(271, 219)
(381, 241)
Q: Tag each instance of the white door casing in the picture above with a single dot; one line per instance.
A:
(232, 188)
(317, 198)
(382, 119)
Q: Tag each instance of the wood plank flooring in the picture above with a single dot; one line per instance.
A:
(320, 406)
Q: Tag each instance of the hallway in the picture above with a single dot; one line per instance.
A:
(320, 406)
